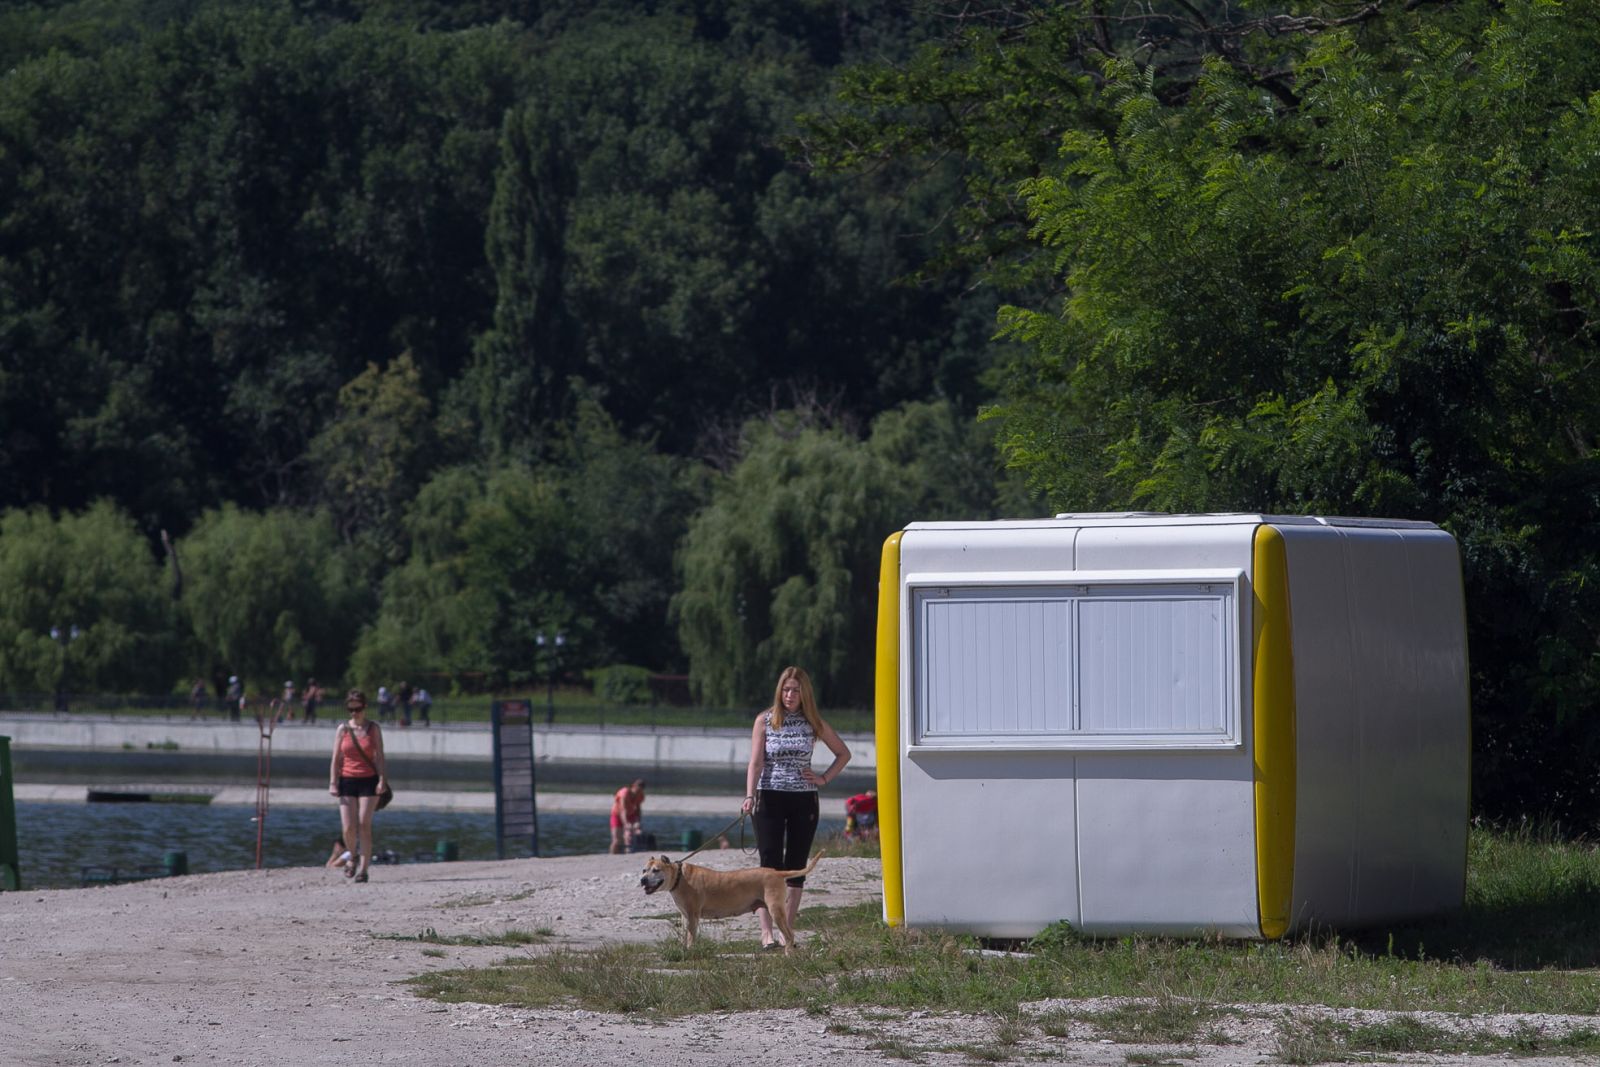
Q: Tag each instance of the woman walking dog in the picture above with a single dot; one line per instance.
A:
(356, 775)
(780, 786)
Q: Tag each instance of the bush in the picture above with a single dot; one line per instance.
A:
(621, 684)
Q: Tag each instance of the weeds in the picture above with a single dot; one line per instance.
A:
(1163, 1022)
(476, 900)
(896, 1049)
(1172, 993)
(1325, 1040)
(858, 962)
(508, 938)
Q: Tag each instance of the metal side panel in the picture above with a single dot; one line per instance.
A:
(1166, 843)
(989, 841)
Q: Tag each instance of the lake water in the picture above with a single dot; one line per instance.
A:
(56, 841)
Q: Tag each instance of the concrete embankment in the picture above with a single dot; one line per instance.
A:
(57, 748)
(724, 805)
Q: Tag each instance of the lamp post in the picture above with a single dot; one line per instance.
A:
(552, 665)
(63, 636)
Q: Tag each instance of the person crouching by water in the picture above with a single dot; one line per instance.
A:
(356, 775)
(780, 786)
(627, 822)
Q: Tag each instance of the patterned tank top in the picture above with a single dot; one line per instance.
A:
(788, 753)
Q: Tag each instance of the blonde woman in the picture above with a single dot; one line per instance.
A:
(781, 786)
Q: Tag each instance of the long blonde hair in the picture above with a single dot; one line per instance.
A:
(808, 700)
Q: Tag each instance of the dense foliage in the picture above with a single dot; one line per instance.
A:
(1350, 269)
(422, 329)
(644, 322)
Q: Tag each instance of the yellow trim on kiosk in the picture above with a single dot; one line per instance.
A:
(1273, 733)
(886, 715)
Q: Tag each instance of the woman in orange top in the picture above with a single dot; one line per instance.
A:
(356, 775)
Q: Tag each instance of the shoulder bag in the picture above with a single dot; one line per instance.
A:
(386, 794)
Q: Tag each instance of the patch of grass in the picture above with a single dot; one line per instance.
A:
(896, 1049)
(1325, 1040)
(433, 953)
(853, 961)
(856, 961)
(1155, 1059)
(1533, 903)
(1533, 1041)
(506, 938)
(837, 845)
(1167, 1021)
(1003, 1044)
(478, 900)
(982, 1053)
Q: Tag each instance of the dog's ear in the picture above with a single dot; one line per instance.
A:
(666, 861)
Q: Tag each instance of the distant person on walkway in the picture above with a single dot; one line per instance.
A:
(356, 775)
(627, 822)
(780, 786)
(289, 701)
(385, 704)
(197, 698)
(310, 698)
(424, 701)
(402, 696)
(235, 697)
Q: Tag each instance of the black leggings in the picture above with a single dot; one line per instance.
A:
(786, 823)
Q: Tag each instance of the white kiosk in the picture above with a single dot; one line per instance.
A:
(1236, 724)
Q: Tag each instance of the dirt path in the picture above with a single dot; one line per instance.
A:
(280, 967)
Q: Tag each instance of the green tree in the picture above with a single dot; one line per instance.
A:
(1377, 300)
(782, 565)
(292, 195)
(374, 455)
(582, 545)
(92, 578)
(495, 560)
(270, 595)
(632, 504)
(651, 242)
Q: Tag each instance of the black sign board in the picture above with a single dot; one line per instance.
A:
(516, 814)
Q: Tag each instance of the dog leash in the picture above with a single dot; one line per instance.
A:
(736, 821)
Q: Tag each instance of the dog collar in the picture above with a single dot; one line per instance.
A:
(677, 871)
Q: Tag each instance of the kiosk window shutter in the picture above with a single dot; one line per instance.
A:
(1087, 663)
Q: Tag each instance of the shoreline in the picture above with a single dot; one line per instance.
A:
(431, 799)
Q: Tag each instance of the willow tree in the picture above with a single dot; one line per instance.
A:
(84, 604)
(270, 595)
(781, 567)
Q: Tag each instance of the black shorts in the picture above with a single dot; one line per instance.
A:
(365, 786)
(786, 824)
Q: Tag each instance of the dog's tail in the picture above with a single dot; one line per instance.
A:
(802, 874)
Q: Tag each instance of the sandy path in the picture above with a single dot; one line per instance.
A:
(280, 967)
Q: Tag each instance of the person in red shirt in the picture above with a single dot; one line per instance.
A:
(861, 816)
(626, 822)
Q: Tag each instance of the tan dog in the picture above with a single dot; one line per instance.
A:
(702, 893)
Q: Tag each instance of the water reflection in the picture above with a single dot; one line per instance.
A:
(56, 841)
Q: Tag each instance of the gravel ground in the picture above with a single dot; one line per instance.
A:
(281, 967)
